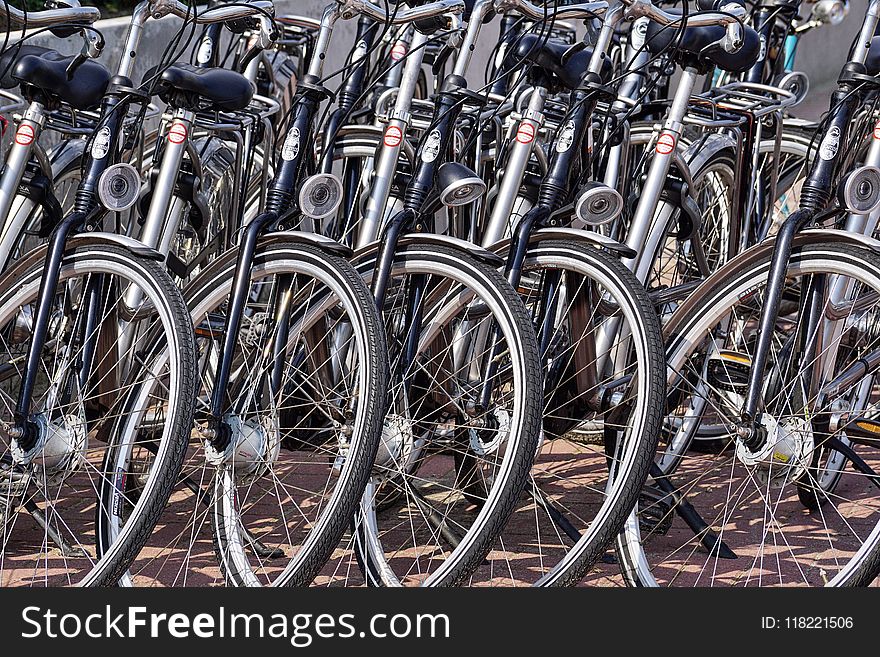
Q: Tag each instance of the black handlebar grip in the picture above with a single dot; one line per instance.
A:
(716, 5)
(431, 25)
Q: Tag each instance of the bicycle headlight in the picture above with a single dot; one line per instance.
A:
(597, 204)
(119, 187)
(320, 195)
(458, 184)
(859, 191)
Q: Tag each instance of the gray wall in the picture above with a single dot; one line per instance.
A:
(158, 32)
(821, 53)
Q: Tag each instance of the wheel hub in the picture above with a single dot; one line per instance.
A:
(490, 439)
(60, 448)
(784, 455)
(396, 443)
(253, 447)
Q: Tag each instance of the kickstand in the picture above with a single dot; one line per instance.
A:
(710, 540)
(858, 463)
(67, 550)
(435, 519)
(555, 514)
(259, 548)
(558, 517)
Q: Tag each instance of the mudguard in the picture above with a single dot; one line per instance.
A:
(439, 240)
(303, 237)
(570, 235)
(763, 250)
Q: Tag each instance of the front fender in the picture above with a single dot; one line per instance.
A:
(501, 247)
(303, 237)
(763, 250)
(37, 256)
(475, 250)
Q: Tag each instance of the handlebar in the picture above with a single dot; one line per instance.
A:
(204, 14)
(734, 14)
(348, 8)
(580, 10)
(50, 17)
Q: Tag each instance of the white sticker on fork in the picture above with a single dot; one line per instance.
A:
(830, 144)
(566, 137)
(101, 144)
(206, 49)
(291, 145)
(432, 147)
(639, 31)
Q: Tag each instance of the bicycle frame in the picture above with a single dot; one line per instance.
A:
(280, 209)
(815, 194)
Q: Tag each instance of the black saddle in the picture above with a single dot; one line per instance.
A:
(695, 39)
(46, 70)
(548, 55)
(183, 85)
(872, 63)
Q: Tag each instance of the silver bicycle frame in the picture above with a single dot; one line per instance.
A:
(647, 227)
(28, 130)
(389, 152)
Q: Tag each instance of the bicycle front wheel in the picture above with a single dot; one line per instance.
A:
(786, 512)
(463, 425)
(603, 405)
(118, 325)
(303, 410)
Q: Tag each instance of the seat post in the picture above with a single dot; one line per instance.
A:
(664, 152)
(26, 134)
(156, 225)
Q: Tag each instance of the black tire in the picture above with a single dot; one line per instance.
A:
(222, 512)
(572, 488)
(159, 318)
(402, 480)
(822, 548)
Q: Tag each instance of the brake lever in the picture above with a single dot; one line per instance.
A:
(572, 51)
(261, 41)
(93, 45)
(78, 61)
(733, 38)
(730, 43)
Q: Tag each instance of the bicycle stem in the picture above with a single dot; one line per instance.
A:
(353, 87)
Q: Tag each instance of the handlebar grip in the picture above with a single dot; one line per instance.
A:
(430, 25)
(716, 5)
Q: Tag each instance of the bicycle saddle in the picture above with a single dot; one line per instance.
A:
(47, 71)
(224, 89)
(696, 39)
(548, 55)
